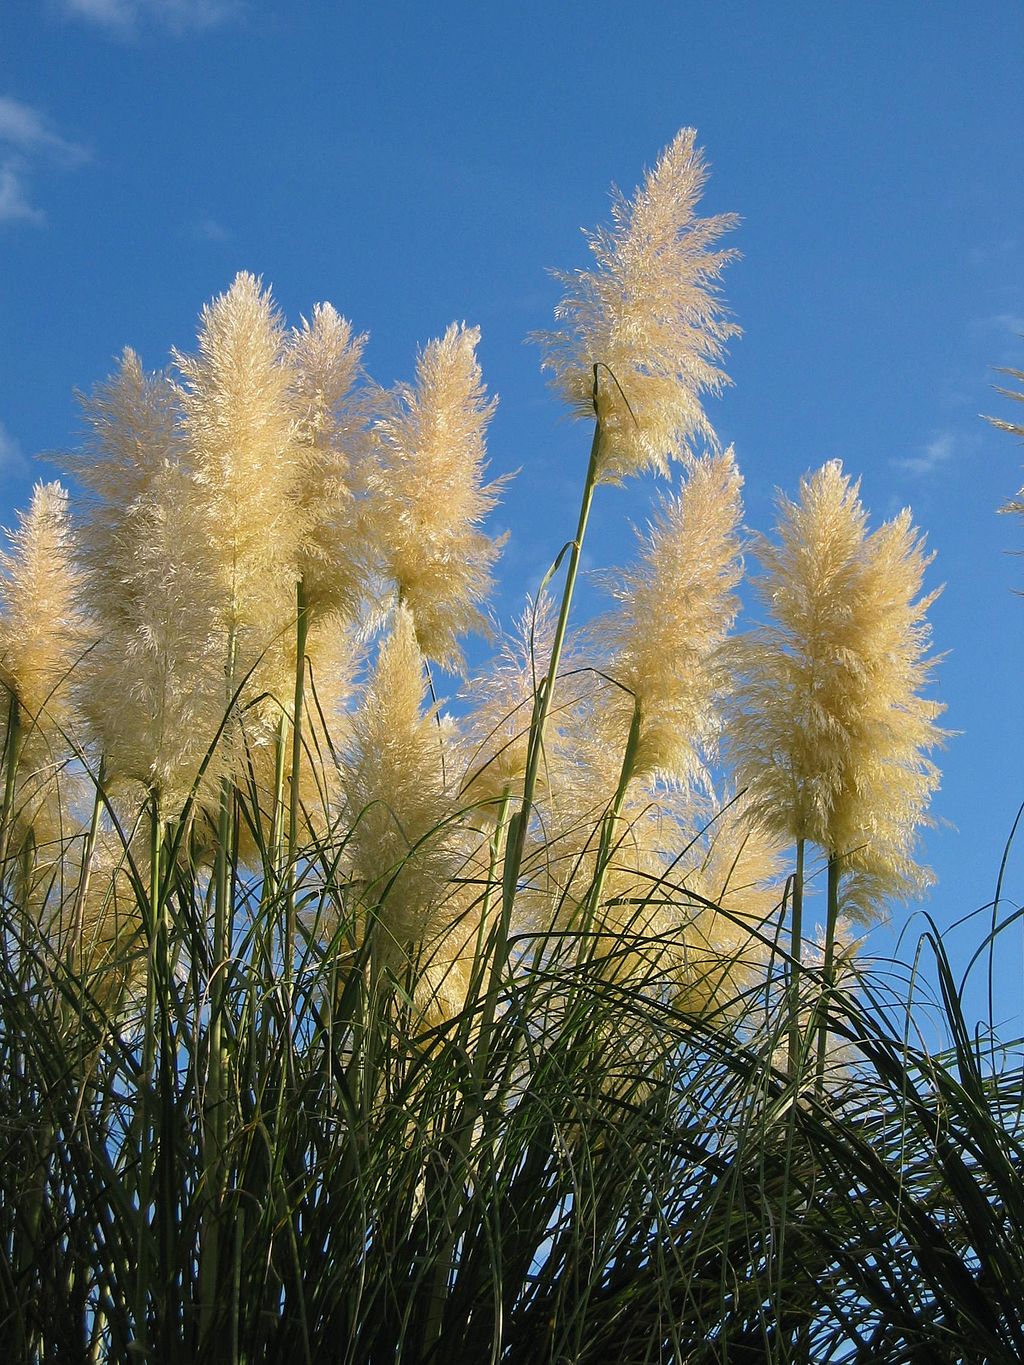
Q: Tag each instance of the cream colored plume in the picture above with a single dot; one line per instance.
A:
(428, 498)
(331, 450)
(333, 655)
(650, 318)
(830, 733)
(401, 845)
(889, 780)
(674, 611)
(41, 641)
(238, 422)
(149, 591)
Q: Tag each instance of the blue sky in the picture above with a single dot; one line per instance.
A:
(417, 163)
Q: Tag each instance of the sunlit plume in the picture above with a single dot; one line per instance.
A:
(428, 497)
(399, 809)
(502, 698)
(331, 450)
(830, 734)
(650, 317)
(41, 640)
(237, 417)
(149, 592)
(674, 610)
(1014, 504)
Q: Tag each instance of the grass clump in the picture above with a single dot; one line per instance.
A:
(341, 1025)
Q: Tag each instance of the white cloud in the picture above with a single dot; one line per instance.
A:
(14, 203)
(27, 138)
(124, 18)
(26, 130)
(931, 457)
(211, 229)
(12, 457)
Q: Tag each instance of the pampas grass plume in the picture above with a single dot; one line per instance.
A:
(675, 608)
(428, 497)
(649, 314)
(830, 734)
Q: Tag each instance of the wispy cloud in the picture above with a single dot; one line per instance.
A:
(28, 131)
(126, 18)
(14, 201)
(12, 457)
(28, 139)
(210, 229)
(931, 457)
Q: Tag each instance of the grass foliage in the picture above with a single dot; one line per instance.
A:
(567, 1170)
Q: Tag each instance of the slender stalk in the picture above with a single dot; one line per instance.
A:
(11, 754)
(796, 934)
(500, 945)
(277, 829)
(78, 921)
(471, 1109)
(165, 1211)
(301, 635)
(147, 1162)
(611, 819)
(497, 845)
(214, 1116)
(828, 967)
(545, 692)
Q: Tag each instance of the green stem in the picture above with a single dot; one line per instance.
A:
(166, 1204)
(144, 1228)
(277, 828)
(301, 636)
(545, 692)
(214, 1116)
(11, 755)
(610, 822)
(473, 1105)
(500, 946)
(497, 845)
(78, 920)
(828, 967)
(795, 969)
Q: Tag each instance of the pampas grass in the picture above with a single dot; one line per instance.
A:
(344, 1023)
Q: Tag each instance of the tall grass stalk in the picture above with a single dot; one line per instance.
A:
(545, 692)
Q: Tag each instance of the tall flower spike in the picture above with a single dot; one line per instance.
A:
(675, 610)
(650, 318)
(148, 589)
(890, 780)
(830, 734)
(398, 805)
(428, 497)
(331, 446)
(40, 641)
(238, 419)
